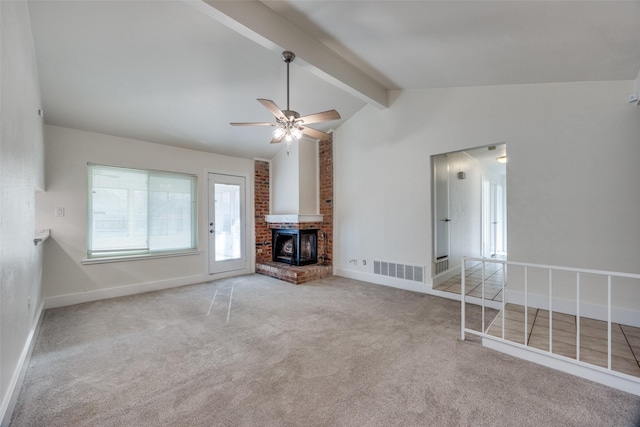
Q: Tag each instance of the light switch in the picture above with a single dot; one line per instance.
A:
(59, 212)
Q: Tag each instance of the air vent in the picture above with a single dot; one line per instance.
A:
(413, 273)
(441, 265)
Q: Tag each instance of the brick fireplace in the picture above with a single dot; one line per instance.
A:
(323, 223)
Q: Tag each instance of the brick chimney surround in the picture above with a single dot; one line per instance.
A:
(265, 222)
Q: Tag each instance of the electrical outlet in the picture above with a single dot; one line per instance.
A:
(364, 262)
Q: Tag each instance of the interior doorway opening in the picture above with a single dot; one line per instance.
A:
(469, 207)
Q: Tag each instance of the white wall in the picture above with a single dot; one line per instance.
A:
(294, 180)
(285, 189)
(66, 280)
(572, 175)
(465, 202)
(21, 173)
(309, 198)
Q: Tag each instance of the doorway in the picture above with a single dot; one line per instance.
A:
(227, 223)
(468, 207)
(441, 213)
(493, 218)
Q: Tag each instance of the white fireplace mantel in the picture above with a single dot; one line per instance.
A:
(293, 218)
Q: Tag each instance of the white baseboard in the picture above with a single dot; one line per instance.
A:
(600, 375)
(17, 378)
(446, 275)
(138, 288)
(425, 288)
(592, 311)
(120, 291)
(384, 280)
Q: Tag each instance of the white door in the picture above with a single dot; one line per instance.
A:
(501, 229)
(493, 214)
(227, 223)
(441, 206)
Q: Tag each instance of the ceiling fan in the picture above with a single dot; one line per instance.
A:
(289, 125)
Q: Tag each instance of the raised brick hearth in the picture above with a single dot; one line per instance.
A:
(295, 274)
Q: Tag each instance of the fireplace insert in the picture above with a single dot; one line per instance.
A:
(295, 247)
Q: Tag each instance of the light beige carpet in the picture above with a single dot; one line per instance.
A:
(334, 352)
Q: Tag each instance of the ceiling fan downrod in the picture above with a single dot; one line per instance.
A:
(288, 57)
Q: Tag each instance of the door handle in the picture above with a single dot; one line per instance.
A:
(445, 220)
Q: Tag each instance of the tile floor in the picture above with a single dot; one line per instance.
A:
(493, 274)
(625, 340)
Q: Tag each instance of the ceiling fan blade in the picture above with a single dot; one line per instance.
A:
(314, 133)
(271, 106)
(325, 116)
(253, 124)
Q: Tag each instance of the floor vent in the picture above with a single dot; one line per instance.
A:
(400, 271)
(441, 265)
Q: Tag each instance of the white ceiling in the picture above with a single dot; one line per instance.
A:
(177, 72)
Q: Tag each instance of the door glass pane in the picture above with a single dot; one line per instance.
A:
(227, 221)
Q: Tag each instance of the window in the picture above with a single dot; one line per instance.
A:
(137, 212)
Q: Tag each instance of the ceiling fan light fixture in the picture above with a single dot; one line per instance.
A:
(296, 133)
(279, 132)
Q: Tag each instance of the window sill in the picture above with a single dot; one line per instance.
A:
(137, 257)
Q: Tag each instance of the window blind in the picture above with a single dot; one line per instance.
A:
(136, 212)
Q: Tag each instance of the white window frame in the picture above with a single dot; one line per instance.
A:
(118, 254)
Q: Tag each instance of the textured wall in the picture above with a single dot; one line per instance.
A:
(66, 279)
(21, 173)
(572, 175)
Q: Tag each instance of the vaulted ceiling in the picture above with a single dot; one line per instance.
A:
(177, 72)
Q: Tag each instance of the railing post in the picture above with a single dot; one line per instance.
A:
(550, 311)
(526, 307)
(578, 315)
(504, 319)
(609, 322)
(462, 293)
(483, 329)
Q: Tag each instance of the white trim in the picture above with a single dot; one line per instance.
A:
(120, 291)
(384, 280)
(138, 288)
(600, 375)
(408, 285)
(138, 257)
(445, 275)
(293, 218)
(13, 390)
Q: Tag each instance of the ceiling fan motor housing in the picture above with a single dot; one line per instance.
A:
(288, 56)
(291, 115)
